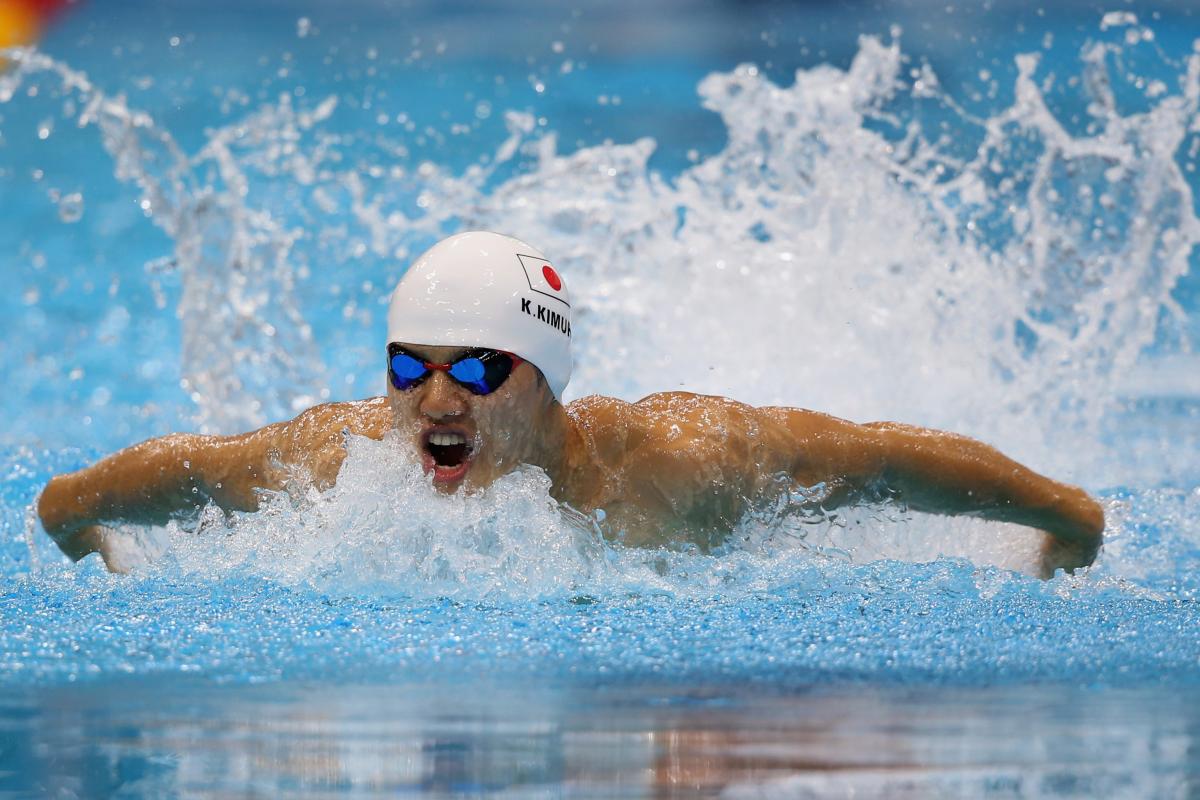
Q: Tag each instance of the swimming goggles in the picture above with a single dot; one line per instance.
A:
(481, 370)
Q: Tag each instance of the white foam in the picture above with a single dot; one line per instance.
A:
(383, 527)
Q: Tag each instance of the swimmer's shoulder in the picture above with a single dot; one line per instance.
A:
(660, 418)
(361, 417)
(599, 412)
(600, 417)
(694, 420)
(609, 427)
(714, 412)
(675, 403)
(314, 440)
(327, 422)
(689, 405)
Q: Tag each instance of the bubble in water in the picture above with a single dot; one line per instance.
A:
(70, 207)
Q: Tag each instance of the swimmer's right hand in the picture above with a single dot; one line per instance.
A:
(55, 511)
(1056, 554)
(78, 537)
(113, 546)
(1076, 542)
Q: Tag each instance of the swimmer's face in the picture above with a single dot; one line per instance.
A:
(467, 440)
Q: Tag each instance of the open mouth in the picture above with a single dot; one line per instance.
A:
(447, 454)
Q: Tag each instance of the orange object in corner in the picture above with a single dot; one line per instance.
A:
(22, 21)
(19, 23)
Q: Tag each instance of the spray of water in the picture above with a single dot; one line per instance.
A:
(238, 284)
(383, 527)
(832, 255)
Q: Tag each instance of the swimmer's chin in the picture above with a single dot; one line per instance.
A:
(447, 479)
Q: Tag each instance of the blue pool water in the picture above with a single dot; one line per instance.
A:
(980, 219)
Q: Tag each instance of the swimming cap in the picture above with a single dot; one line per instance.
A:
(481, 289)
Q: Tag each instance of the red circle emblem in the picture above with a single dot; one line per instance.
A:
(552, 277)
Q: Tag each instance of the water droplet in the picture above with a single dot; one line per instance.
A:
(70, 207)
(45, 128)
(303, 27)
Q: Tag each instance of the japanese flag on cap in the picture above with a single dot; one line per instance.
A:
(543, 278)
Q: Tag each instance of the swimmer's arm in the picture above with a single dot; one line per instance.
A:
(151, 483)
(944, 473)
(155, 481)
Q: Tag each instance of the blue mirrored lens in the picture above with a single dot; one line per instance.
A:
(406, 368)
(469, 370)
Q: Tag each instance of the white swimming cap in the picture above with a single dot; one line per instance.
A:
(481, 289)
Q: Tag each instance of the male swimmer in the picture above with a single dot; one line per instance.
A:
(478, 356)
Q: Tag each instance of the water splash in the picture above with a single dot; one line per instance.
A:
(1000, 294)
(1034, 270)
(238, 285)
(998, 281)
(384, 529)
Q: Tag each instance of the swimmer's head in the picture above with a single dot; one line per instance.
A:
(478, 356)
(481, 289)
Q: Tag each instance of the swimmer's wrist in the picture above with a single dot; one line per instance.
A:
(1081, 518)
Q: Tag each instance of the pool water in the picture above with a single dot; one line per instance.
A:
(978, 219)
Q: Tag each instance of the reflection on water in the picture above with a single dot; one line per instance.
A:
(479, 739)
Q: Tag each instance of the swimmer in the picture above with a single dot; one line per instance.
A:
(478, 355)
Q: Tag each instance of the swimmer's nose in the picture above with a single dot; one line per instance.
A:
(442, 398)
